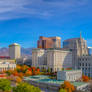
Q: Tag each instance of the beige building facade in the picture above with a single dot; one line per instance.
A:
(14, 51)
(55, 59)
(78, 46)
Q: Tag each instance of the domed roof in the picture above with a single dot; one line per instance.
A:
(14, 44)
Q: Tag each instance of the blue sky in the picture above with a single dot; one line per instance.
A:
(23, 21)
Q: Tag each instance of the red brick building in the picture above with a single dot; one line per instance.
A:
(50, 42)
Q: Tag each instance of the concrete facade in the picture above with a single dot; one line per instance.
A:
(55, 59)
(14, 51)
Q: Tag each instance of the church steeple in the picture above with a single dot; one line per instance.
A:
(80, 35)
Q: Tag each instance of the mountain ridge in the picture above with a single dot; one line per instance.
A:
(24, 51)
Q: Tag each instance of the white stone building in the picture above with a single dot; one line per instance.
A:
(6, 64)
(69, 75)
(14, 51)
(78, 46)
(55, 59)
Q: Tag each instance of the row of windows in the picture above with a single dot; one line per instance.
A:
(84, 59)
(86, 69)
(84, 64)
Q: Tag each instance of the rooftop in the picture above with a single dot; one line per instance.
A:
(72, 39)
(14, 44)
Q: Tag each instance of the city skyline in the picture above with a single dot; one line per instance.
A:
(23, 21)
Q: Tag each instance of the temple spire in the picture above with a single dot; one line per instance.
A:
(80, 35)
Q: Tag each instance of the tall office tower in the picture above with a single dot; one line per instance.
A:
(78, 46)
(14, 51)
(50, 42)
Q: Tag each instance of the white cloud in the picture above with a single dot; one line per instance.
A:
(10, 9)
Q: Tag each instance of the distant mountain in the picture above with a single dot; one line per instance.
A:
(24, 51)
(4, 52)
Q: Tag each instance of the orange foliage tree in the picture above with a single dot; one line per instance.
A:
(38, 71)
(68, 86)
(24, 68)
(15, 73)
(33, 70)
(30, 69)
(20, 74)
(28, 73)
(18, 67)
(85, 78)
(18, 80)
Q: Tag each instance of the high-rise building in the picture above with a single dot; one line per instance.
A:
(78, 46)
(14, 51)
(50, 42)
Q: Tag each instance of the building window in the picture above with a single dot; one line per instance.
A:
(79, 64)
(86, 68)
(82, 64)
(89, 69)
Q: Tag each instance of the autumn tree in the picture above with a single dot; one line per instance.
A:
(20, 75)
(68, 86)
(30, 69)
(85, 78)
(18, 68)
(33, 70)
(28, 73)
(9, 72)
(38, 71)
(18, 79)
(15, 73)
(24, 68)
